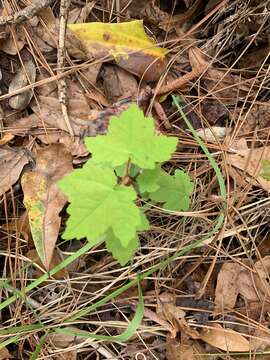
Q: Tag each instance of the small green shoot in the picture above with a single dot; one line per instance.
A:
(125, 165)
(266, 169)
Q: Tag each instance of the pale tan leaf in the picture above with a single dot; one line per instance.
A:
(225, 339)
(250, 162)
(245, 284)
(227, 287)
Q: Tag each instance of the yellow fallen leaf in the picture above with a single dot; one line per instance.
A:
(126, 43)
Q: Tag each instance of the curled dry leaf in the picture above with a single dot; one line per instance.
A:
(125, 43)
(26, 75)
(12, 162)
(225, 339)
(44, 200)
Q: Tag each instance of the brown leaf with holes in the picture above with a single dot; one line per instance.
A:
(12, 162)
(44, 200)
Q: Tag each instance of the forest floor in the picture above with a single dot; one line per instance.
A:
(198, 286)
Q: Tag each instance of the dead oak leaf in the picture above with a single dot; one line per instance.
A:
(12, 162)
(44, 200)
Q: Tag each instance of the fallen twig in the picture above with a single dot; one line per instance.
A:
(25, 14)
(180, 82)
(62, 86)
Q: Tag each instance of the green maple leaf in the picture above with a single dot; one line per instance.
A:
(266, 169)
(98, 204)
(120, 253)
(131, 136)
(173, 191)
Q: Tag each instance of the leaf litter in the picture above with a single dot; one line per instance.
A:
(220, 301)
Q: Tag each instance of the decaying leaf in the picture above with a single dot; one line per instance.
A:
(260, 340)
(44, 200)
(258, 117)
(250, 162)
(227, 287)
(125, 43)
(225, 339)
(12, 162)
(5, 354)
(118, 83)
(184, 350)
(26, 75)
(13, 46)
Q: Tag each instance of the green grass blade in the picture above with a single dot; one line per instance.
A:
(38, 348)
(125, 336)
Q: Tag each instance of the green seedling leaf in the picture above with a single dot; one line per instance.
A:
(131, 136)
(122, 254)
(173, 191)
(99, 204)
(266, 169)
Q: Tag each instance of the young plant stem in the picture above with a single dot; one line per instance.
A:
(126, 178)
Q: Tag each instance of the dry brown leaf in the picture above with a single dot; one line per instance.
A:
(184, 350)
(262, 278)
(227, 287)
(44, 200)
(260, 340)
(49, 110)
(75, 145)
(63, 341)
(11, 47)
(118, 83)
(25, 75)
(177, 351)
(245, 284)
(12, 162)
(5, 354)
(56, 260)
(225, 339)
(249, 161)
(258, 117)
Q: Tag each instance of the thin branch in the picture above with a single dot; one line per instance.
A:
(25, 14)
